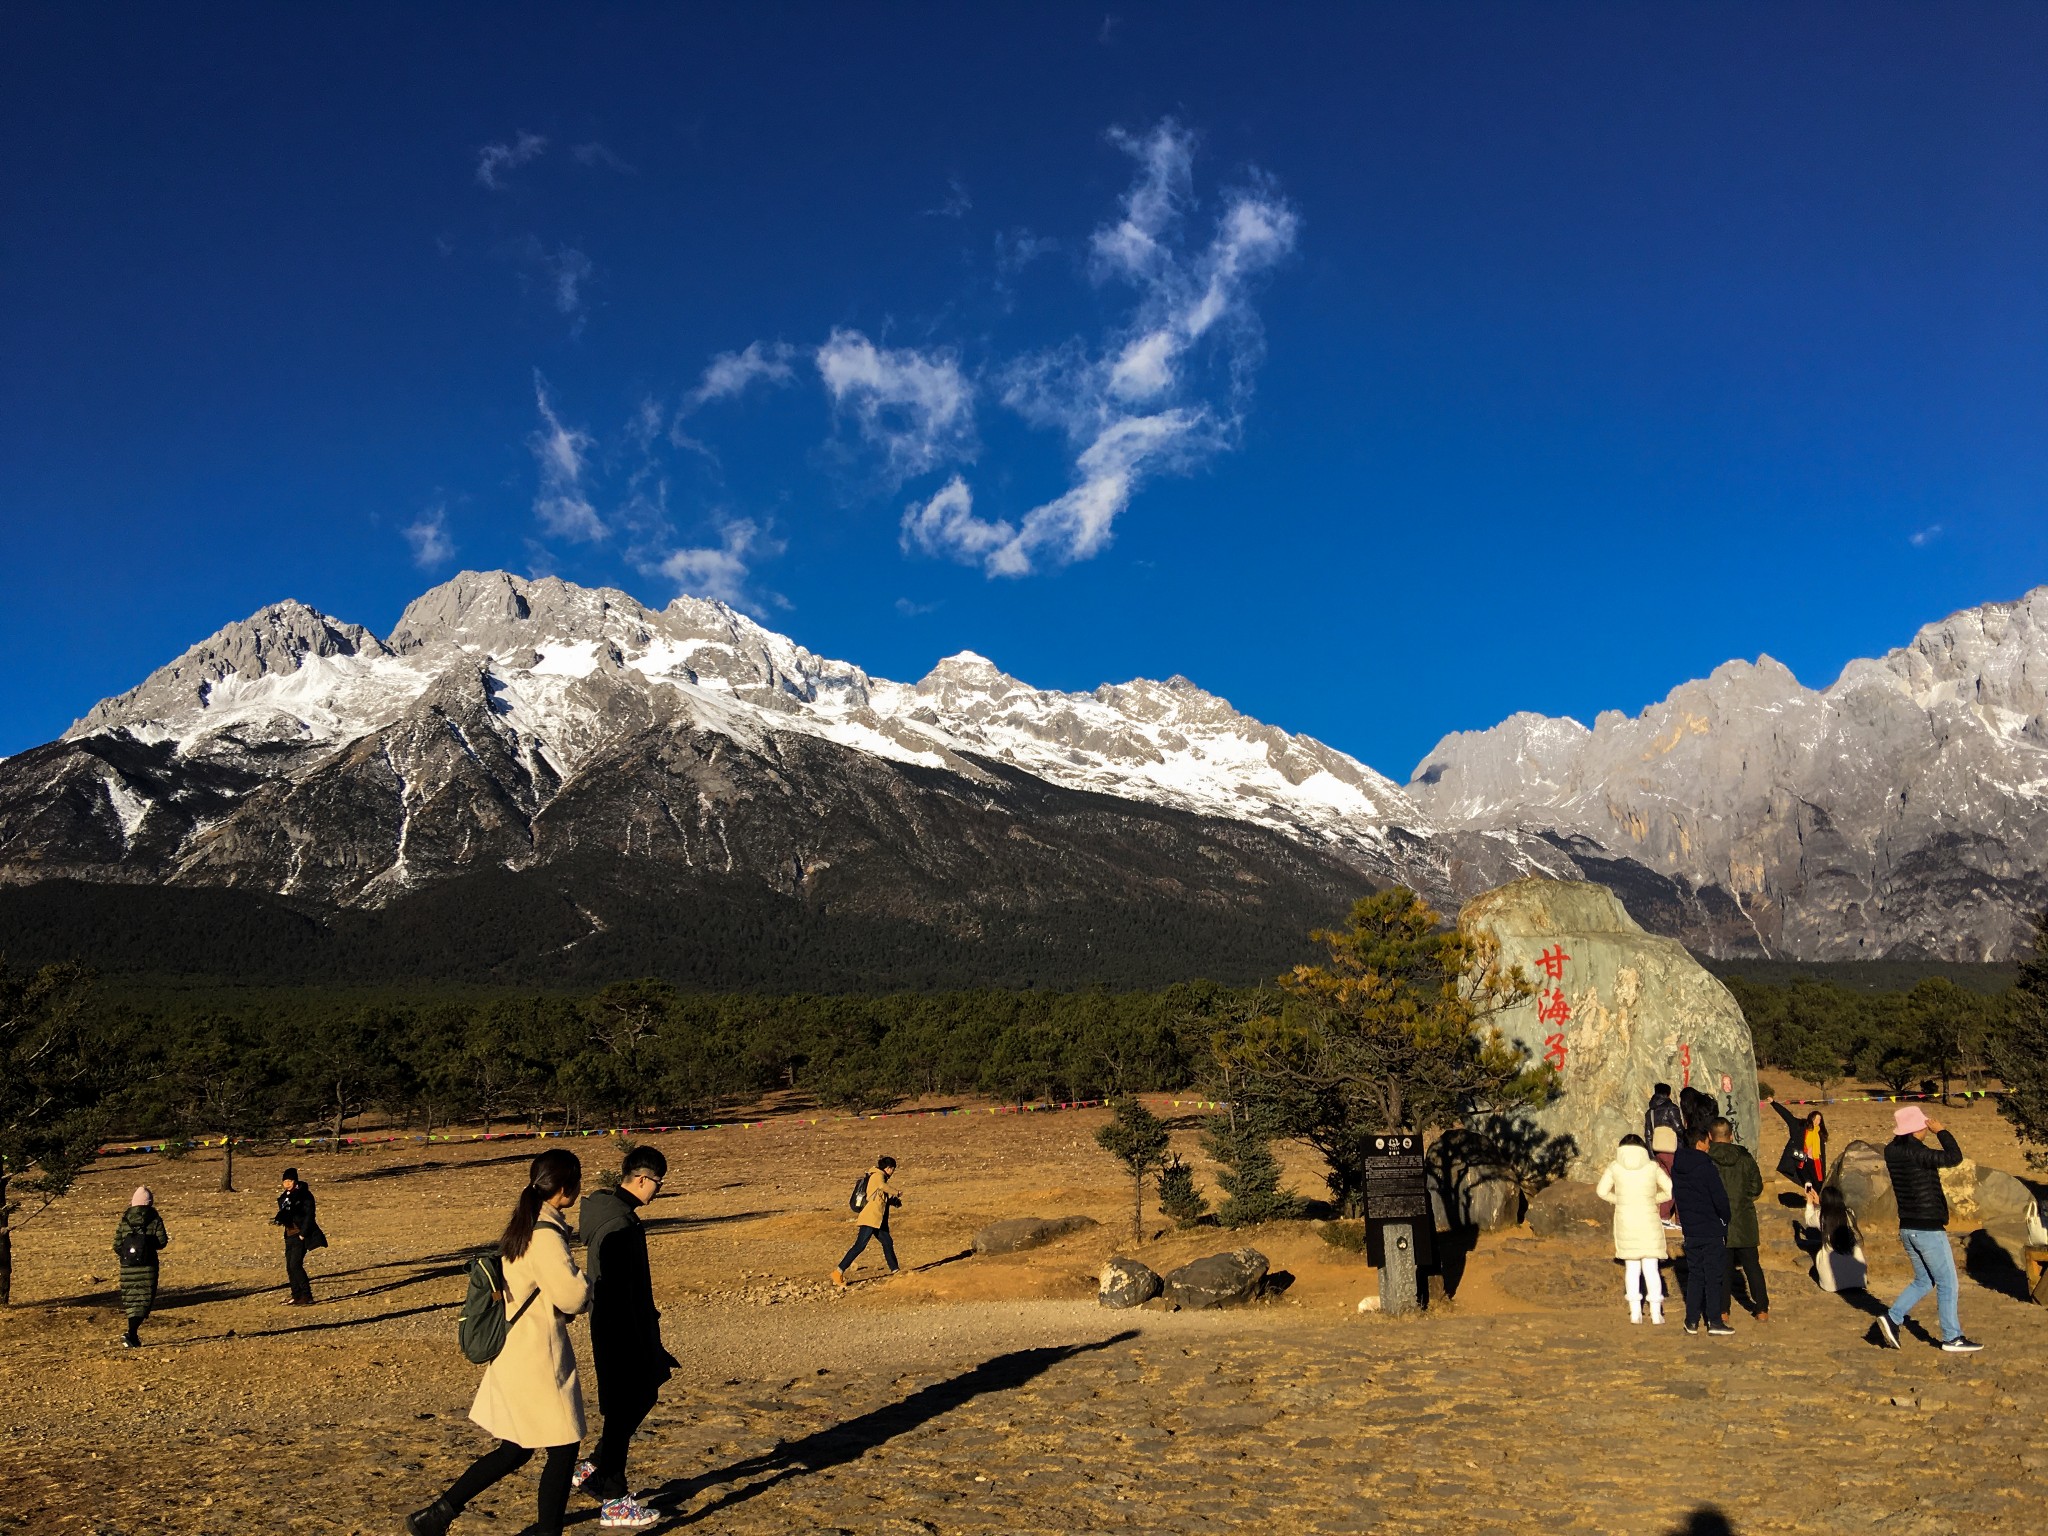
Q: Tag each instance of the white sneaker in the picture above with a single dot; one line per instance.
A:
(627, 1514)
(1657, 1316)
(584, 1471)
(1635, 1312)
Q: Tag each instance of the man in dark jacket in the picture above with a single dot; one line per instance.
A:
(295, 1213)
(1663, 1110)
(1700, 1200)
(1915, 1169)
(625, 1331)
(1744, 1181)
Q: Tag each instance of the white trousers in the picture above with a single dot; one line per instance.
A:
(1644, 1281)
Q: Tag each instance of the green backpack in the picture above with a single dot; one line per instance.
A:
(483, 1324)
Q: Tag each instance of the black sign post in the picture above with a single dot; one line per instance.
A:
(1399, 1231)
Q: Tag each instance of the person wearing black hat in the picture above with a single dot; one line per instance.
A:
(295, 1213)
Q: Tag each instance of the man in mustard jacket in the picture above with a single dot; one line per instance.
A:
(874, 1203)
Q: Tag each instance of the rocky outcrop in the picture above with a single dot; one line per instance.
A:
(1896, 813)
(1220, 1280)
(1866, 1185)
(1616, 1011)
(1127, 1283)
(1022, 1232)
(1569, 1208)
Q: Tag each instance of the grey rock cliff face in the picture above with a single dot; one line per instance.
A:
(1902, 812)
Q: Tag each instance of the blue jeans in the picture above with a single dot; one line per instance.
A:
(1934, 1269)
(860, 1241)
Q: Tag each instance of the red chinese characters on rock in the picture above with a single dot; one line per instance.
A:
(1685, 1064)
(1551, 1007)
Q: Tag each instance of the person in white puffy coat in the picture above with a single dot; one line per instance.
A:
(1635, 1186)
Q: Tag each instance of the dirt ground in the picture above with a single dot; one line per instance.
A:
(984, 1394)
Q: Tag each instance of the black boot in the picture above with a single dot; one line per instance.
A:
(434, 1520)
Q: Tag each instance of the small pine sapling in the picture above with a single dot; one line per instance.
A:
(1138, 1139)
(1250, 1176)
(1178, 1197)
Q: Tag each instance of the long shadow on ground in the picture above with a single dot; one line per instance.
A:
(854, 1438)
(170, 1297)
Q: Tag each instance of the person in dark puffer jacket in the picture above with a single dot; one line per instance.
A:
(138, 1239)
(1915, 1170)
(1701, 1201)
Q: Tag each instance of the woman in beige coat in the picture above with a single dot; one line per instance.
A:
(530, 1397)
(1635, 1186)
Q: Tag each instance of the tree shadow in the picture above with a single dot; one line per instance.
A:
(1704, 1521)
(172, 1297)
(326, 1327)
(855, 1437)
(403, 1170)
(691, 1223)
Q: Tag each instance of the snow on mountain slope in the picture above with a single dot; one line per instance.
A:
(566, 670)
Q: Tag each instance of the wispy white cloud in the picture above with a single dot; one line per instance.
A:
(1134, 405)
(730, 373)
(911, 610)
(570, 269)
(598, 156)
(1925, 536)
(1016, 249)
(428, 536)
(917, 408)
(494, 160)
(722, 570)
(563, 453)
(956, 205)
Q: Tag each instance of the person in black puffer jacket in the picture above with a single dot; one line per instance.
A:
(1915, 1170)
(1700, 1201)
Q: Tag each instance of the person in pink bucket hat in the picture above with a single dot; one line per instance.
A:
(1916, 1168)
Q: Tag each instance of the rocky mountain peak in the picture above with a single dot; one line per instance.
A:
(274, 641)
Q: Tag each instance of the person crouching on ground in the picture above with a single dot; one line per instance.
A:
(530, 1398)
(297, 1214)
(1701, 1200)
(1916, 1168)
(138, 1238)
(874, 1219)
(1744, 1181)
(1838, 1262)
(1634, 1185)
(625, 1332)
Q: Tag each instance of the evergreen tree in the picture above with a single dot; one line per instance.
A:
(55, 1066)
(1394, 1032)
(1178, 1197)
(1249, 1174)
(1138, 1139)
(2019, 1051)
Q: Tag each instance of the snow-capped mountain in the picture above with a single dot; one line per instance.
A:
(1902, 810)
(573, 734)
(621, 765)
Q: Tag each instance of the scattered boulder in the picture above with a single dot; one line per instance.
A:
(1866, 1184)
(1569, 1209)
(1218, 1280)
(1127, 1283)
(1021, 1232)
(1959, 1185)
(1617, 1011)
(2006, 1210)
(1471, 1185)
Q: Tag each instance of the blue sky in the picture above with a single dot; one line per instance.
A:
(1385, 369)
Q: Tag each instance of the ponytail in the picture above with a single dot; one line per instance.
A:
(549, 1174)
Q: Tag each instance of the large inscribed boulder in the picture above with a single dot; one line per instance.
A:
(1616, 1011)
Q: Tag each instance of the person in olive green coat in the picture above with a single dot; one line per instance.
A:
(1744, 1181)
(138, 1239)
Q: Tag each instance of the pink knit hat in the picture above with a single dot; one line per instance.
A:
(142, 1196)
(1909, 1120)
